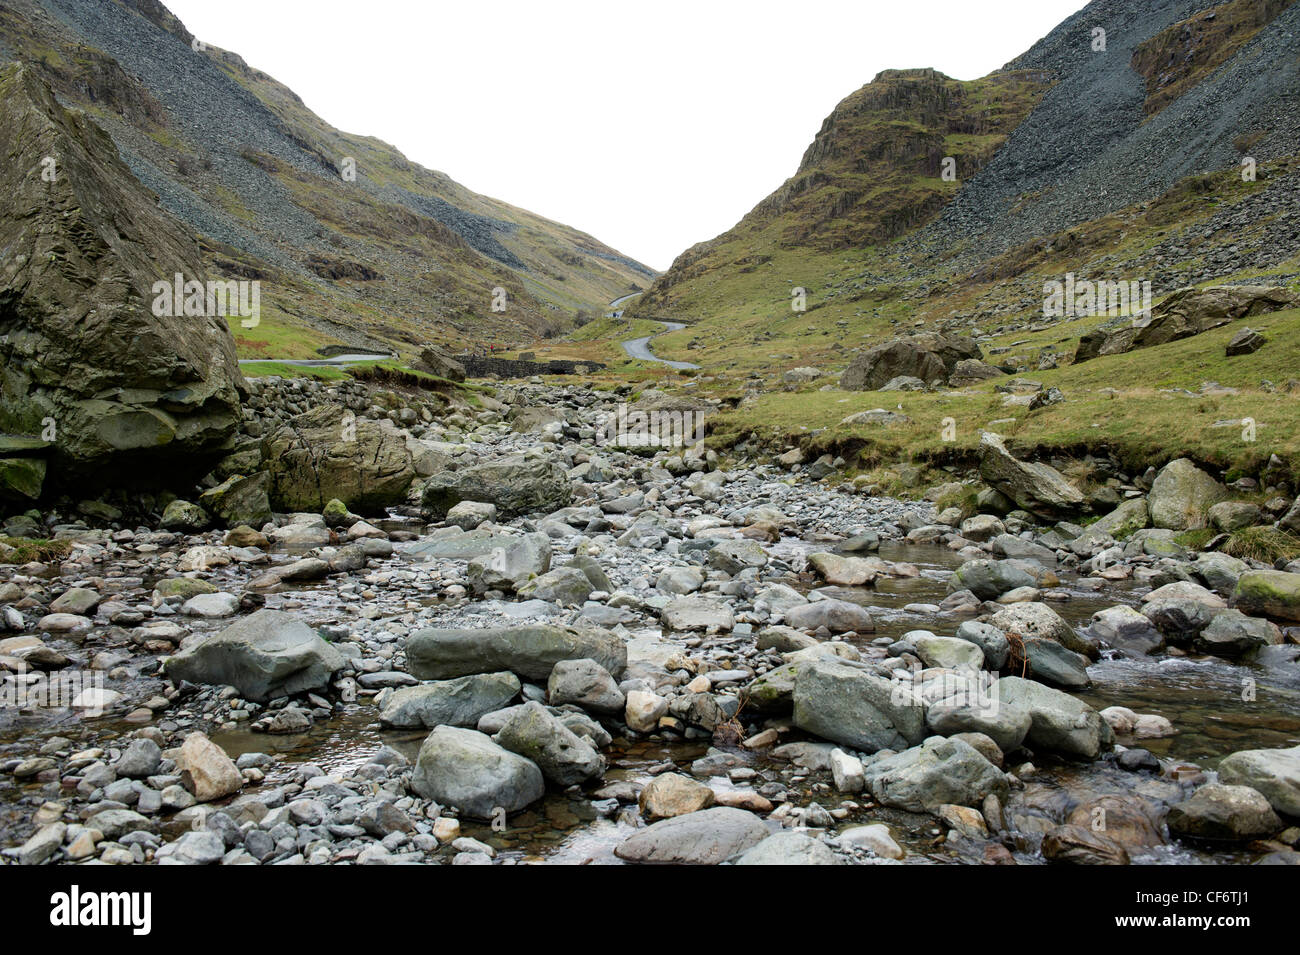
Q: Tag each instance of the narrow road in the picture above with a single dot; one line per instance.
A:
(640, 347)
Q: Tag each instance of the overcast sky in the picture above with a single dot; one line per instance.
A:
(650, 125)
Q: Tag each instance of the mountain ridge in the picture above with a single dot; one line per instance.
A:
(392, 258)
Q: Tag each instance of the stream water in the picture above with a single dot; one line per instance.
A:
(1202, 697)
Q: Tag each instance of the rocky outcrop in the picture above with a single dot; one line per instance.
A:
(118, 385)
(263, 655)
(324, 455)
(1038, 488)
(1182, 495)
(930, 358)
(516, 485)
(1186, 313)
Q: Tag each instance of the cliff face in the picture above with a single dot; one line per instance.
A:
(86, 365)
(885, 161)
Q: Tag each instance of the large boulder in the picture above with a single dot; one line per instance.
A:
(990, 579)
(707, 837)
(240, 500)
(321, 455)
(1004, 723)
(460, 702)
(562, 755)
(672, 794)
(1182, 495)
(262, 655)
(584, 683)
(938, 772)
(1187, 312)
(1227, 813)
(1038, 488)
(1273, 772)
(438, 362)
(1128, 516)
(511, 565)
(1058, 722)
(516, 484)
(466, 769)
(789, 848)
(837, 616)
(854, 706)
(929, 357)
(1273, 593)
(1233, 634)
(1127, 630)
(134, 390)
(531, 651)
(1036, 619)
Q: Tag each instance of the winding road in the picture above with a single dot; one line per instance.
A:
(639, 348)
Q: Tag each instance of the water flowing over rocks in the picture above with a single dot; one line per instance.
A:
(599, 653)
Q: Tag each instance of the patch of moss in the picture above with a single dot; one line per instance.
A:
(28, 549)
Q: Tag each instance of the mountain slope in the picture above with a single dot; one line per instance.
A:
(1093, 176)
(394, 256)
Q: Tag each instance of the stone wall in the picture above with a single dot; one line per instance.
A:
(481, 367)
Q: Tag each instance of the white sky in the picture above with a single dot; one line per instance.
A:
(651, 125)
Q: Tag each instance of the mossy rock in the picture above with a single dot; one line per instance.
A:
(1270, 593)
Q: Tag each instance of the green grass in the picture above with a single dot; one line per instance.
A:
(277, 336)
(27, 549)
(1129, 404)
(1267, 544)
(265, 369)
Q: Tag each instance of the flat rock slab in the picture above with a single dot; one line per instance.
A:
(707, 837)
(529, 651)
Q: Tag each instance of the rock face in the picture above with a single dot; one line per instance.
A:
(438, 362)
(319, 456)
(1058, 722)
(563, 757)
(1274, 593)
(854, 706)
(466, 769)
(126, 390)
(936, 773)
(707, 837)
(1182, 495)
(460, 702)
(1187, 312)
(529, 651)
(267, 653)
(1224, 812)
(1038, 488)
(517, 485)
(929, 358)
(1275, 773)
